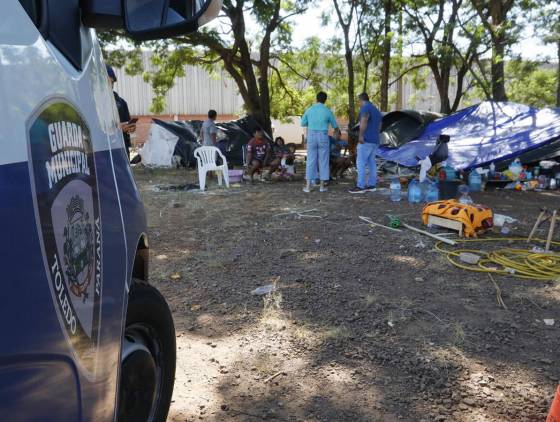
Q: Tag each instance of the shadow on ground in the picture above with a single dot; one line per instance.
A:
(365, 324)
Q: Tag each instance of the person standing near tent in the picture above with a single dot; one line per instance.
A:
(209, 131)
(127, 125)
(368, 143)
(317, 119)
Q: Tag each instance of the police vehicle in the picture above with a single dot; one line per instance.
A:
(84, 337)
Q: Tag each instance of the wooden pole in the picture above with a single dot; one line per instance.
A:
(371, 222)
(435, 236)
(537, 224)
(551, 229)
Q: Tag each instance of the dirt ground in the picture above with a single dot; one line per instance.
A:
(365, 325)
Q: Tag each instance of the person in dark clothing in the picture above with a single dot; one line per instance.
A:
(339, 163)
(258, 153)
(126, 125)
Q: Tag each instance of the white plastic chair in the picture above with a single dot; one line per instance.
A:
(206, 159)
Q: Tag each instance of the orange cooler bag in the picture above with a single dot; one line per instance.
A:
(475, 218)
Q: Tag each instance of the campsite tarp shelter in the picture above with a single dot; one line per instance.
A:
(400, 127)
(484, 133)
(232, 136)
(159, 148)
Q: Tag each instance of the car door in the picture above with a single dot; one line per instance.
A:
(64, 248)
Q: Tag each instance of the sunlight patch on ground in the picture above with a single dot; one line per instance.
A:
(410, 260)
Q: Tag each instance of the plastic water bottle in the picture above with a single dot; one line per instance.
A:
(465, 197)
(414, 192)
(515, 168)
(395, 188)
(475, 181)
(433, 192)
(450, 173)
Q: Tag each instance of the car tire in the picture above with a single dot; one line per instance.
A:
(148, 357)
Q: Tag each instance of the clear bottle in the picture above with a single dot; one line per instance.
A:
(395, 189)
(414, 192)
(475, 181)
(465, 197)
(492, 170)
(432, 194)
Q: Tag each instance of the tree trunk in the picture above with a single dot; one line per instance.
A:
(498, 12)
(386, 66)
(558, 74)
(351, 88)
(497, 68)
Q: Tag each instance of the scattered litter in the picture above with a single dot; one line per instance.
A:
(300, 214)
(469, 258)
(548, 321)
(499, 298)
(176, 188)
(500, 219)
(394, 221)
(175, 276)
(505, 228)
(263, 290)
(270, 378)
(420, 244)
(317, 241)
(418, 279)
(195, 307)
(537, 249)
(161, 257)
(390, 323)
(443, 239)
(509, 270)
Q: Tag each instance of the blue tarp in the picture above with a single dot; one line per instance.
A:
(481, 134)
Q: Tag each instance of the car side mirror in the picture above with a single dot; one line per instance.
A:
(155, 19)
(149, 19)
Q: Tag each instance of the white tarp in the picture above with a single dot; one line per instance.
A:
(158, 149)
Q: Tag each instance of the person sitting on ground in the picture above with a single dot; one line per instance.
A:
(339, 164)
(258, 153)
(281, 153)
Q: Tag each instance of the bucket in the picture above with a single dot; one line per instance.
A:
(235, 176)
(448, 189)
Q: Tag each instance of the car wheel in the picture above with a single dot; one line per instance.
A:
(147, 358)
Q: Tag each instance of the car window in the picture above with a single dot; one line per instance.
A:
(60, 24)
(33, 9)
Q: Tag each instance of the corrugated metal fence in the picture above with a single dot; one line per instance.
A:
(198, 91)
(195, 93)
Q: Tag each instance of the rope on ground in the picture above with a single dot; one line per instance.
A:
(521, 263)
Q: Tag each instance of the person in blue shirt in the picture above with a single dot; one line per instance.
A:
(368, 142)
(317, 120)
(339, 164)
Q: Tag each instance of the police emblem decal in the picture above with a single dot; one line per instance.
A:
(78, 252)
(67, 209)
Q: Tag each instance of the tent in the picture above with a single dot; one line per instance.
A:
(400, 127)
(185, 134)
(159, 148)
(485, 133)
(232, 136)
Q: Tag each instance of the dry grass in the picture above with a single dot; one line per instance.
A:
(458, 336)
(336, 333)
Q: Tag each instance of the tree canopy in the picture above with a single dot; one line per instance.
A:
(466, 46)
